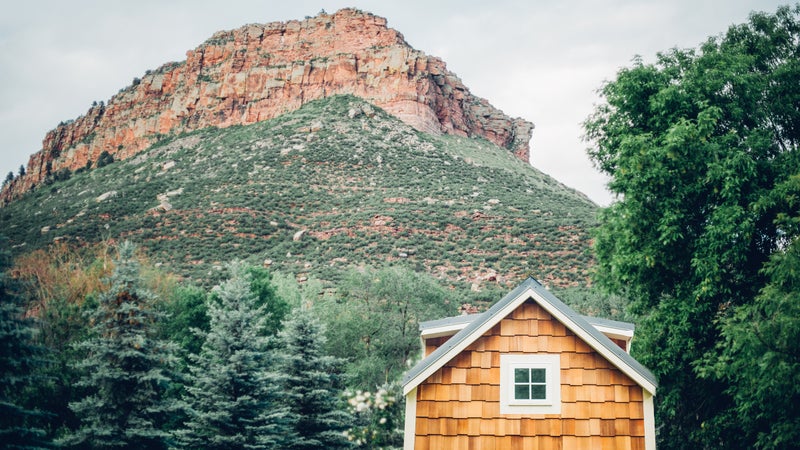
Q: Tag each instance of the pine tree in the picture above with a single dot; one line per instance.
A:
(314, 385)
(126, 370)
(235, 394)
(19, 358)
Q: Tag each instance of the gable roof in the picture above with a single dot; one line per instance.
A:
(529, 289)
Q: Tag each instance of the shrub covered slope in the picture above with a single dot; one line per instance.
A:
(335, 184)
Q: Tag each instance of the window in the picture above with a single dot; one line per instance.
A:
(530, 384)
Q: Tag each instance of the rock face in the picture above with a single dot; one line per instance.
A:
(258, 72)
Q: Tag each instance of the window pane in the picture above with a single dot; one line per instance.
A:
(537, 375)
(538, 392)
(521, 392)
(522, 376)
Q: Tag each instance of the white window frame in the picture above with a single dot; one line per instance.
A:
(551, 404)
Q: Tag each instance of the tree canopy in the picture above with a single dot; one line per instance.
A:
(701, 150)
(235, 393)
(373, 323)
(127, 368)
(20, 358)
(313, 384)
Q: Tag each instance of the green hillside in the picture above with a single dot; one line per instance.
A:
(335, 184)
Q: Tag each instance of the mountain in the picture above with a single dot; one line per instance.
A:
(260, 71)
(309, 146)
(335, 184)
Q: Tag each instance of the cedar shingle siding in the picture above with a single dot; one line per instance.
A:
(458, 406)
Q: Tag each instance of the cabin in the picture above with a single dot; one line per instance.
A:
(529, 373)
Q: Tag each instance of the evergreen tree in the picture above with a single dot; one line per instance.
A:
(235, 395)
(19, 358)
(313, 385)
(125, 373)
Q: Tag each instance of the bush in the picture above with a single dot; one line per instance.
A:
(104, 159)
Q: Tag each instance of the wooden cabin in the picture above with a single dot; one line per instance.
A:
(529, 373)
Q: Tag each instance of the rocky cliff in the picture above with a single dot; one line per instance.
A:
(260, 71)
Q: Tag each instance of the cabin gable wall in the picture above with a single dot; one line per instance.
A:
(458, 406)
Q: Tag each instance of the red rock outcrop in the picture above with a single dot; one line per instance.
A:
(258, 72)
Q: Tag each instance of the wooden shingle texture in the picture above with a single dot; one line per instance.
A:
(458, 405)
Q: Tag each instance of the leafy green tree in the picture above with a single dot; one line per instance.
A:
(185, 312)
(9, 178)
(21, 170)
(698, 147)
(275, 306)
(20, 360)
(374, 322)
(759, 354)
(234, 395)
(126, 370)
(61, 285)
(597, 303)
(313, 384)
(58, 286)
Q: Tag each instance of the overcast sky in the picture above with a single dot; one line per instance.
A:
(539, 60)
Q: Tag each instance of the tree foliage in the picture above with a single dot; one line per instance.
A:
(20, 361)
(127, 369)
(104, 159)
(275, 306)
(759, 354)
(701, 148)
(186, 312)
(60, 286)
(373, 323)
(61, 325)
(314, 385)
(235, 397)
(84, 302)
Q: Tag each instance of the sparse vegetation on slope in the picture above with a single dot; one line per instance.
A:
(334, 184)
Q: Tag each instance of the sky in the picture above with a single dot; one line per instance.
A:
(539, 60)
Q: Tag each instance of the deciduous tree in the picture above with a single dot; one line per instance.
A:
(699, 147)
(374, 322)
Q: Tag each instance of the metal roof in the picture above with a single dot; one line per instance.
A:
(532, 289)
(448, 321)
(608, 323)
